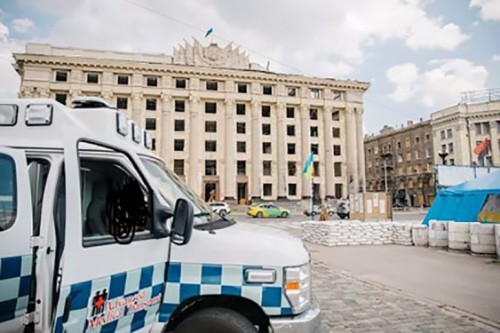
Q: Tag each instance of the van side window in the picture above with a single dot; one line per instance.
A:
(8, 192)
(102, 181)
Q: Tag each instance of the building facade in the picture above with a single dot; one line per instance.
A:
(228, 127)
(405, 156)
(459, 129)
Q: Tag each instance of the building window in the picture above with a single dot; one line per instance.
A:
(266, 147)
(210, 168)
(210, 146)
(180, 106)
(179, 167)
(291, 148)
(335, 115)
(179, 125)
(427, 137)
(240, 128)
(315, 148)
(336, 150)
(449, 133)
(428, 152)
(210, 107)
(336, 132)
(337, 169)
(417, 140)
(211, 127)
(443, 148)
(443, 135)
(268, 190)
(338, 191)
(152, 81)
(399, 144)
(313, 114)
(240, 109)
(290, 130)
(292, 168)
(316, 169)
(153, 144)
(180, 83)
(212, 85)
(266, 129)
(241, 168)
(313, 131)
(151, 104)
(61, 98)
(122, 103)
(266, 111)
(267, 89)
(338, 95)
(93, 78)
(241, 146)
(267, 168)
(122, 79)
(314, 93)
(291, 91)
(292, 189)
(452, 161)
(151, 124)
(61, 76)
(179, 145)
(450, 148)
(242, 88)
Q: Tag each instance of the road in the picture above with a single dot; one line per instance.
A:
(394, 288)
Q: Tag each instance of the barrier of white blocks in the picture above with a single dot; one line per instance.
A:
(342, 233)
(482, 238)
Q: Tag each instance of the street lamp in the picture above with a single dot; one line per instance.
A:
(443, 154)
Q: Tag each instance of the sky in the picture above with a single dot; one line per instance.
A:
(418, 55)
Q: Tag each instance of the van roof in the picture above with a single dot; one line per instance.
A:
(104, 125)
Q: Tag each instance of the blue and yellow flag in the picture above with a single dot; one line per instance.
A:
(309, 165)
(209, 32)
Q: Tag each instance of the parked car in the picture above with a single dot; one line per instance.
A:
(317, 210)
(268, 210)
(220, 208)
(343, 210)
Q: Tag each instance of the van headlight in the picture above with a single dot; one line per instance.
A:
(298, 287)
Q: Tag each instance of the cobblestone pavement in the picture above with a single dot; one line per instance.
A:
(350, 304)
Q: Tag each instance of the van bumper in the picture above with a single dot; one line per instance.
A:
(307, 322)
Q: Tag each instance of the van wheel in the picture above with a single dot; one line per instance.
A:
(216, 320)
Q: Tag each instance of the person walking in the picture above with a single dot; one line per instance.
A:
(323, 215)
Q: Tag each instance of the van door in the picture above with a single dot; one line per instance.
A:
(109, 282)
(16, 259)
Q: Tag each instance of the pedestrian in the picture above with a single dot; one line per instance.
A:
(323, 215)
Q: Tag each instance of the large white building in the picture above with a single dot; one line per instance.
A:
(221, 122)
(459, 129)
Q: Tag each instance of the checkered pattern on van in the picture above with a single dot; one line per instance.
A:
(15, 281)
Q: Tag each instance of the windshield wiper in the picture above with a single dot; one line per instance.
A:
(201, 214)
(220, 223)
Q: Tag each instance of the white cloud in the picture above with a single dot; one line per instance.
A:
(22, 25)
(496, 57)
(489, 9)
(438, 86)
(9, 83)
(327, 38)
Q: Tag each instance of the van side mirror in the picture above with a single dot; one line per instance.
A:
(182, 225)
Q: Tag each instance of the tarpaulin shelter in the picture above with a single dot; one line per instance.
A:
(475, 200)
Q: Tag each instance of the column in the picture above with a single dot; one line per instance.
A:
(256, 153)
(230, 151)
(196, 155)
(164, 141)
(306, 148)
(352, 152)
(494, 143)
(360, 145)
(137, 105)
(328, 142)
(281, 150)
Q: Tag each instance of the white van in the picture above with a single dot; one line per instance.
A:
(97, 235)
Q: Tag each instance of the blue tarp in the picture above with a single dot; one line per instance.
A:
(462, 203)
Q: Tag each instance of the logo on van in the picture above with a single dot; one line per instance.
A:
(98, 302)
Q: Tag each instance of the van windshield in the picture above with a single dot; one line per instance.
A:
(172, 188)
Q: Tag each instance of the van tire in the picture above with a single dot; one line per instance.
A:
(216, 320)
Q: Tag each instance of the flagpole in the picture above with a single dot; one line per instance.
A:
(312, 198)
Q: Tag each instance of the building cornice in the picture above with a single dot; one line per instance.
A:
(23, 59)
(397, 131)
